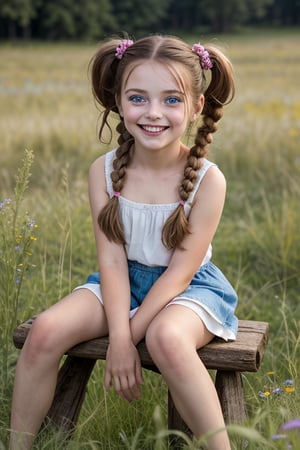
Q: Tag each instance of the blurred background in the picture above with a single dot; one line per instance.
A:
(93, 19)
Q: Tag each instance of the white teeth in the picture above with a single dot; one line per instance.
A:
(152, 129)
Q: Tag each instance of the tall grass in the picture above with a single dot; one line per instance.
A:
(46, 105)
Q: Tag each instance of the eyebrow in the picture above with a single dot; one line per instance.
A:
(167, 91)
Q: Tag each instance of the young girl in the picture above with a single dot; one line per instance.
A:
(156, 205)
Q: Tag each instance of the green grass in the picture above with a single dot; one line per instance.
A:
(46, 106)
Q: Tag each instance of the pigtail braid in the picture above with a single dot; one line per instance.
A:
(219, 92)
(109, 218)
(177, 226)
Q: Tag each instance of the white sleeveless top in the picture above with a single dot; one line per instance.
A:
(143, 222)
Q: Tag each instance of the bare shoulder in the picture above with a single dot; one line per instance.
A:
(210, 197)
(214, 175)
(97, 166)
(97, 183)
(97, 173)
(213, 182)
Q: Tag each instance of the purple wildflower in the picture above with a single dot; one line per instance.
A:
(6, 201)
(31, 224)
(291, 425)
(276, 437)
(277, 391)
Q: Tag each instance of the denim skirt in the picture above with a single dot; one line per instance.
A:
(210, 295)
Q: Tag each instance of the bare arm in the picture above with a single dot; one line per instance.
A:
(123, 368)
(204, 220)
(111, 259)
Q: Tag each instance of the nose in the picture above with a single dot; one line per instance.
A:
(154, 111)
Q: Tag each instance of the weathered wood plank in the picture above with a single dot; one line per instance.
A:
(244, 354)
(229, 386)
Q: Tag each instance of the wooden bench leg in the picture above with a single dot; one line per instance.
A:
(229, 387)
(72, 379)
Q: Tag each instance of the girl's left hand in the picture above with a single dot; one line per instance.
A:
(123, 370)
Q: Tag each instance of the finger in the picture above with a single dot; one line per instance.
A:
(125, 394)
(118, 384)
(139, 373)
(133, 388)
(127, 387)
(107, 381)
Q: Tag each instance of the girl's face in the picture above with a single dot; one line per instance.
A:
(154, 106)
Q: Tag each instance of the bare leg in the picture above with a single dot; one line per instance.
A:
(172, 339)
(76, 318)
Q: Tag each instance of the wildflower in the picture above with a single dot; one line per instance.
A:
(275, 437)
(277, 390)
(31, 224)
(291, 425)
(3, 203)
(33, 238)
(289, 389)
(265, 394)
(289, 386)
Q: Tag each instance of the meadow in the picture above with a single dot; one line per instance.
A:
(48, 129)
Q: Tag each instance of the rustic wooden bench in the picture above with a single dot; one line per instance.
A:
(229, 359)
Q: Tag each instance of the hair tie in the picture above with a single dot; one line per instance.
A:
(117, 194)
(182, 202)
(205, 60)
(122, 47)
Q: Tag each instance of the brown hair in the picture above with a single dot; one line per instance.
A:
(107, 73)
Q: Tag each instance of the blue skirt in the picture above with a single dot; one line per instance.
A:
(209, 294)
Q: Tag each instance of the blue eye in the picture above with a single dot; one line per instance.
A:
(173, 100)
(136, 99)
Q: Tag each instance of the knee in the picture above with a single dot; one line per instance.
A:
(164, 343)
(41, 339)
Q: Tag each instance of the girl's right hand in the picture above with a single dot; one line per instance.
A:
(123, 370)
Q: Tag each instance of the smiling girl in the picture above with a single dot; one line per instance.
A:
(156, 205)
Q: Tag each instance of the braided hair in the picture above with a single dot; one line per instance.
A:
(108, 75)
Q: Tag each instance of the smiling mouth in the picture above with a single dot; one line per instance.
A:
(152, 128)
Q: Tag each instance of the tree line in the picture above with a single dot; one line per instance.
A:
(94, 19)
